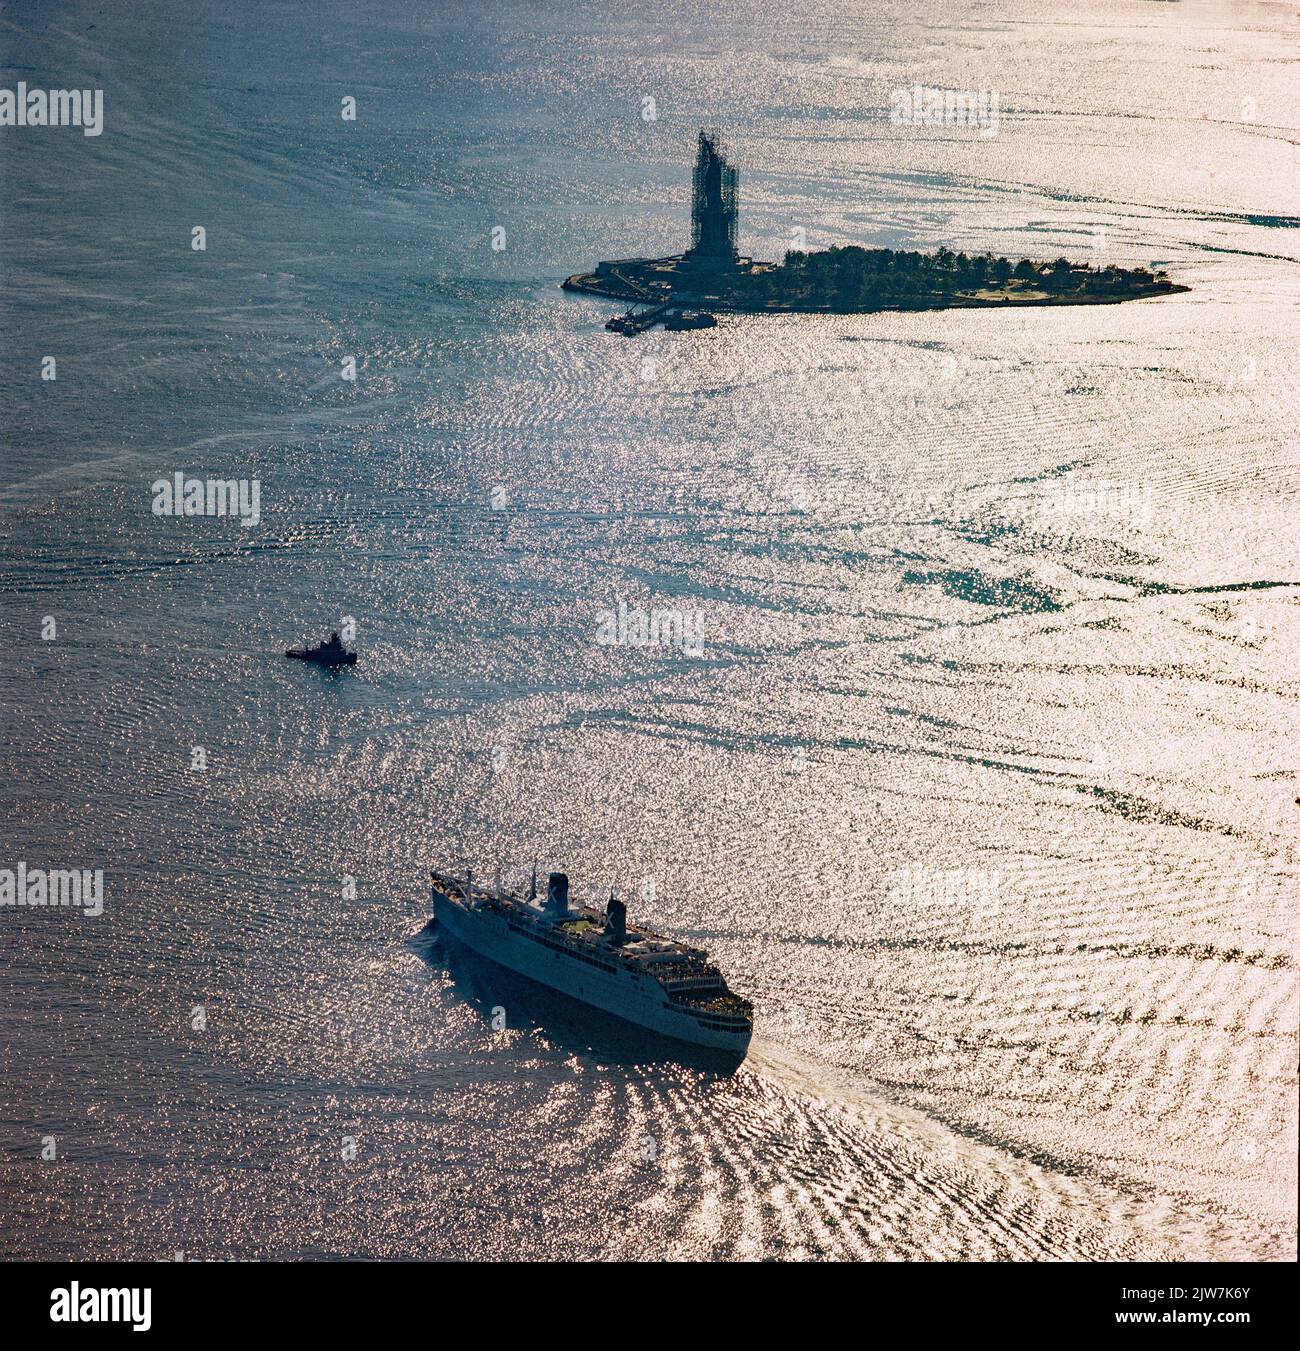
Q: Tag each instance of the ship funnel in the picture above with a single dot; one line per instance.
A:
(557, 894)
(615, 920)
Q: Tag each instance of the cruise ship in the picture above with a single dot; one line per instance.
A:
(598, 958)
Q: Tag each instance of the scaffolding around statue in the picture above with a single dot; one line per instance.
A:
(715, 205)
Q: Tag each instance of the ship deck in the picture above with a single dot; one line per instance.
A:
(687, 975)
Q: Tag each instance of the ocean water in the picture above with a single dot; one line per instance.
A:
(981, 785)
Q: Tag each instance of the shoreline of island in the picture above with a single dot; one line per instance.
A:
(588, 284)
(854, 280)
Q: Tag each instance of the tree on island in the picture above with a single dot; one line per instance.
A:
(850, 277)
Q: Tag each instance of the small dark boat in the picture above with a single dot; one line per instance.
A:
(624, 323)
(681, 320)
(329, 653)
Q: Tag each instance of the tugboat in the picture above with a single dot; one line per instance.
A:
(329, 653)
(632, 323)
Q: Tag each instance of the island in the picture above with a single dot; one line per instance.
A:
(678, 291)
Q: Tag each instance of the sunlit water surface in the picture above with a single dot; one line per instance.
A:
(982, 787)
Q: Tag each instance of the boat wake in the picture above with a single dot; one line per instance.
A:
(969, 1198)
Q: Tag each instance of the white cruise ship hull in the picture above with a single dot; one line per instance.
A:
(638, 999)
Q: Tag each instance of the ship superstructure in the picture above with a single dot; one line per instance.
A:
(598, 958)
